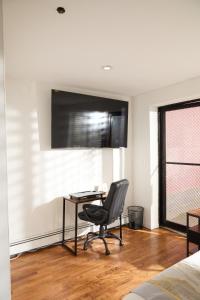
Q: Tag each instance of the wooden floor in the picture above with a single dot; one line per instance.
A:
(55, 274)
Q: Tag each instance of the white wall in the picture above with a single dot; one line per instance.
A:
(37, 176)
(145, 143)
(4, 256)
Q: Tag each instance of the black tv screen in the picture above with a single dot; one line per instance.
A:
(87, 121)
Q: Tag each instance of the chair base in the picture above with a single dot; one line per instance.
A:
(102, 234)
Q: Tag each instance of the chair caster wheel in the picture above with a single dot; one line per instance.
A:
(108, 252)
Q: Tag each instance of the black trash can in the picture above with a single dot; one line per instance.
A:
(135, 216)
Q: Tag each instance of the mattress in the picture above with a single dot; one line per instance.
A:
(179, 282)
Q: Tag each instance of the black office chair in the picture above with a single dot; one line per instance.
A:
(106, 214)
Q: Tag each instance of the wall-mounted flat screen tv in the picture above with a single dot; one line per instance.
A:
(87, 121)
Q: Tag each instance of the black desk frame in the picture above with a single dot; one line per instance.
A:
(76, 202)
(193, 233)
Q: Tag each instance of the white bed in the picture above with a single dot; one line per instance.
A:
(179, 282)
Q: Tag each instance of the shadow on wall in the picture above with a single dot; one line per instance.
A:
(41, 213)
(36, 174)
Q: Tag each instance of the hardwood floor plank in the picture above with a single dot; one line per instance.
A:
(55, 274)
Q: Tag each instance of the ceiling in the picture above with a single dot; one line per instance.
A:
(149, 43)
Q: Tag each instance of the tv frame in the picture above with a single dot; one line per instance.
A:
(53, 91)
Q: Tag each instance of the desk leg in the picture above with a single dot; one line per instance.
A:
(199, 226)
(188, 251)
(120, 226)
(63, 229)
(64, 242)
(76, 228)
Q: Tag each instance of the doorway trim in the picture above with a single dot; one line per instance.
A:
(162, 160)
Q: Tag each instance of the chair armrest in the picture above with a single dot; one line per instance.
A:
(96, 213)
(88, 205)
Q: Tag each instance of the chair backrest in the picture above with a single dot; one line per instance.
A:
(114, 202)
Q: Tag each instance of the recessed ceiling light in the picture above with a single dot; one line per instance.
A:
(107, 68)
(60, 10)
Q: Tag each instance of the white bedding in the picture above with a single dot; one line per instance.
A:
(179, 282)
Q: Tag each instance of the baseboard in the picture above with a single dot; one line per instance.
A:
(50, 238)
(173, 230)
